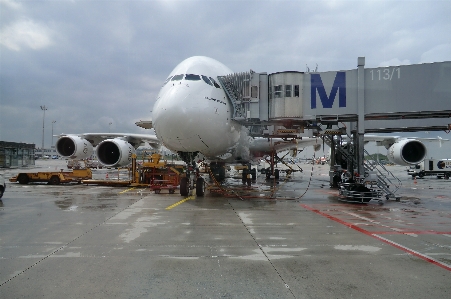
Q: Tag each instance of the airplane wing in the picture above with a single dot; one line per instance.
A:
(113, 149)
(388, 141)
(134, 139)
(404, 151)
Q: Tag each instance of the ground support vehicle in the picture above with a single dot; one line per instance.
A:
(431, 167)
(151, 172)
(159, 175)
(163, 179)
(357, 193)
(53, 177)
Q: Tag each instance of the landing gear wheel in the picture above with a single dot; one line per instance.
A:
(23, 179)
(200, 187)
(54, 180)
(184, 186)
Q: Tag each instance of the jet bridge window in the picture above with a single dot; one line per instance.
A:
(214, 83)
(205, 78)
(254, 91)
(192, 77)
(177, 77)
(296, 91)
(277, 91)
(288, 91)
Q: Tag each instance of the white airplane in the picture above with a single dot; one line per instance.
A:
(192, 117)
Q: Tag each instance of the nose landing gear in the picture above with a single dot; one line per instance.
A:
(192, 179)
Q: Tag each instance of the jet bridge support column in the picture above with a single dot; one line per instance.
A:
(360, 115)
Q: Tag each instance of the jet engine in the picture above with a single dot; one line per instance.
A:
(74, 147)
(407, 152)
(115, 152)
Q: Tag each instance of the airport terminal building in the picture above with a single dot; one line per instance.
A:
(14, 154)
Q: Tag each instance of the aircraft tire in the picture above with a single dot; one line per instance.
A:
(200, 187)
(268, 173)
(184, 186)
(254, 174)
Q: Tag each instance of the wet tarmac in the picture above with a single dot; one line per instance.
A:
(293, 239)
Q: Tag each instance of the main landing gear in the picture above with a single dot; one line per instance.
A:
(271, 171)
(249, 175)
(192, 179)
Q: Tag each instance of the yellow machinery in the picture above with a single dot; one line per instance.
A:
(152, 171)
(157, 174)
(53, 177)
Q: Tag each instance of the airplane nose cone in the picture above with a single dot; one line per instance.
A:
(175, 117)
(194, 118)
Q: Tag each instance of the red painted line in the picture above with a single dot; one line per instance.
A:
(394, 244)
(425, 232)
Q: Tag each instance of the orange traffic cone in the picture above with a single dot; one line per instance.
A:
(106, 177)
(415, 180)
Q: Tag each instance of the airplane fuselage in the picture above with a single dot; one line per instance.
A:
(192, 112)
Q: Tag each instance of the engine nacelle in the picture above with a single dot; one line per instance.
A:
(74, 147)
(115, 152)
(407, 152)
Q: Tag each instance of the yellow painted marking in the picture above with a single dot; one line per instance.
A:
(180, 202)
(127, 190)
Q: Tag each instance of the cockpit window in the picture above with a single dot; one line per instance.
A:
(167, 80)
(192, 77)
(177, 78)
(205, 78)
(214, 82)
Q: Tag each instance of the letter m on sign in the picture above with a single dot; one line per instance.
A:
(339, 85)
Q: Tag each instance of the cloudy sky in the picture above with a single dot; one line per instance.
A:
(92, 63)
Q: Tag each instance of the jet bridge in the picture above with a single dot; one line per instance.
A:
(298, 100)
(403, 98)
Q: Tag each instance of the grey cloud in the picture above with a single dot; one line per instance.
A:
(105, 60)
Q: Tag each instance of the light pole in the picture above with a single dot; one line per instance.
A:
(43, 118)
(53, 122)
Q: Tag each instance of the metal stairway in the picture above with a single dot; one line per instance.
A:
(237, 87)
(385, 178)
